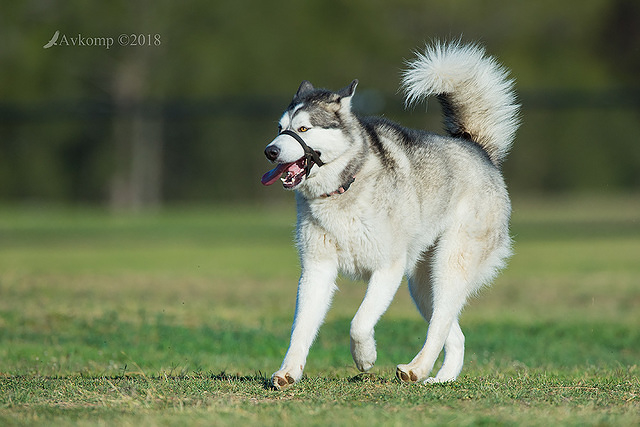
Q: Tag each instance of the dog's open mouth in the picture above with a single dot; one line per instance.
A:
(291, 174)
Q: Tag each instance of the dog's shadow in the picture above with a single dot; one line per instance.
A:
(259, 379)
(265, 381)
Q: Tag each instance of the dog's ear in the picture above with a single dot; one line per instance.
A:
(345, 94)
(348, 91)
(305, 87)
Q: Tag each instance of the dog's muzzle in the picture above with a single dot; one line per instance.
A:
(311, 156)
(295, 171)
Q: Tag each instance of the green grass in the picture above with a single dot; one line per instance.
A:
(178, 318)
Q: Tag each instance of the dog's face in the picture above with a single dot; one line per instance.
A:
(317, 116)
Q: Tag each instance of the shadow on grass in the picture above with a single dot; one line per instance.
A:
(259, 379)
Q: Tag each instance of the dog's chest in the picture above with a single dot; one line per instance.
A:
(358, 235)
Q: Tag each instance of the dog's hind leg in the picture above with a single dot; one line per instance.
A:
(421, 291)
(448, 300)
(380, 292)
(453, 356)
(420, 285)
(464, 259)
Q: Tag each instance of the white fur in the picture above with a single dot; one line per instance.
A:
(478, 87)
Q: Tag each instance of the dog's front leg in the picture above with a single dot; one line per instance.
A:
(315, 289)
(382, 287)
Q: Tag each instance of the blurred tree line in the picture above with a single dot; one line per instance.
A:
(182, 112)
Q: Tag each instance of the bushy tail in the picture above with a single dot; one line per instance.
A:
(477, 97)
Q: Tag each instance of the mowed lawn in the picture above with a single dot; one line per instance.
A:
(180, 317)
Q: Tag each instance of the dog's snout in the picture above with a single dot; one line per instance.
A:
(272, 152)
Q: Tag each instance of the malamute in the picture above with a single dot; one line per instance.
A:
(378, 201)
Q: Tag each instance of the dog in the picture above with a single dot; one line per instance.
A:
(378, 201)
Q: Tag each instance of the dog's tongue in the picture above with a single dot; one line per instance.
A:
(275, 173)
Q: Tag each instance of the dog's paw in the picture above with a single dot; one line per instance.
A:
(281, 381)
(289, 373)
(365, 365)
(364, 354)
(405, 374)
(286, 376)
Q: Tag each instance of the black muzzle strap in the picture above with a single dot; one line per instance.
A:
(311, 155)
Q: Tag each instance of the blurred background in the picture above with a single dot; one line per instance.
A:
(180, 109)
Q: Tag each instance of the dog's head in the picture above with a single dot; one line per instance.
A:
(310, 134)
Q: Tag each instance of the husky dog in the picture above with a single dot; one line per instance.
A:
(378, 201)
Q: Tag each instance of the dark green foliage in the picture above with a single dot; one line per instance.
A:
(208, 96)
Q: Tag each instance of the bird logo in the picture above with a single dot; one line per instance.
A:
(53, 41)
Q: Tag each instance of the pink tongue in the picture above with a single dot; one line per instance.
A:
(275, 173)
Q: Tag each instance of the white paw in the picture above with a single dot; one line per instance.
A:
(364, 354)
(405, 374)
(284, 378)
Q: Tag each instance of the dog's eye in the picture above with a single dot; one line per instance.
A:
(279, 128)
(303, 129)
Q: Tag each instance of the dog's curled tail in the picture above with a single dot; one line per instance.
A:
(477, 97)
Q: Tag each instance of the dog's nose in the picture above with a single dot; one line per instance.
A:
(272, 152)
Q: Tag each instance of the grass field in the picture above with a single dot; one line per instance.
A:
(179, 318)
